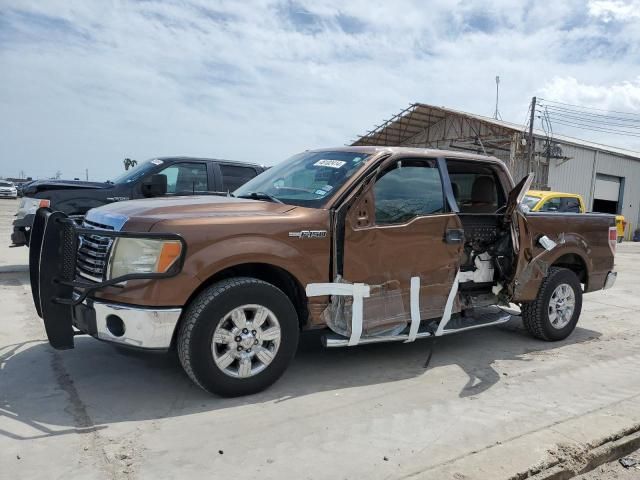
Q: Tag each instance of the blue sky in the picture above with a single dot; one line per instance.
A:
(85, 84)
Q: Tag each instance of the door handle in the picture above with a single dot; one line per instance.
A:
(454, 235)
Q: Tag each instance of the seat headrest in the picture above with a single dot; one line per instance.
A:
(484, 190)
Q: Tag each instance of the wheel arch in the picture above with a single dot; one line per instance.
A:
(576, 263)
(277, 276)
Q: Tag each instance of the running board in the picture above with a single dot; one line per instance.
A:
(332, 340)
(488, 319)
(457, 324)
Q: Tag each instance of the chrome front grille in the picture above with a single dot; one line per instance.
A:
(93, 252)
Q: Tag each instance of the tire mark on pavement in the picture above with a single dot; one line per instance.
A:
(114, 457)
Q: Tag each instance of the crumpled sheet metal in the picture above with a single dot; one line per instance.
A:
(385, 312)
(374, 310)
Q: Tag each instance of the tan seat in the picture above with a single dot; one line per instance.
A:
(483, 196)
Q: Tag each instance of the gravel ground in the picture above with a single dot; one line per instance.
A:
(614, 471)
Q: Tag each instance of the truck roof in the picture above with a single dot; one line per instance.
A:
(221, 160)
(430, 152)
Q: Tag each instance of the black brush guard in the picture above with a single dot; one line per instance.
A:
(52, 270)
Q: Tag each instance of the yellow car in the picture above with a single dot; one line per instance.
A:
(544, 201)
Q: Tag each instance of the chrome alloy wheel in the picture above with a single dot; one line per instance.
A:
(246, 341)
(562, 304)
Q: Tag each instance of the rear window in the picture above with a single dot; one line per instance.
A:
(530, 201)
(234, 176)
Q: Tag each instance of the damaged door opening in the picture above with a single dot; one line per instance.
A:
(416, 253)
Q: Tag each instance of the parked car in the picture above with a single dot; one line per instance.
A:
(370, 244)
(21, 186)
(165, 176)
(547, 201)
(8, 189)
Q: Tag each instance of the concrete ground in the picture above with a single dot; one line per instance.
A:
(494, 404)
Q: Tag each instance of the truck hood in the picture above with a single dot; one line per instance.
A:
(141, 215)
(45, 185)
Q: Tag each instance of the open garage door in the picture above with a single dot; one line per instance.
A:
(607, 195)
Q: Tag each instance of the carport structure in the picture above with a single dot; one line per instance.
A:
(607, 177)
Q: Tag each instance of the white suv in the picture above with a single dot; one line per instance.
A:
(8, 189)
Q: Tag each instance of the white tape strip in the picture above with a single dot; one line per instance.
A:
(414, 298)
(358, 291)
(446, 316)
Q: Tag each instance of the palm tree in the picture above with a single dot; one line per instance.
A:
(129, 163)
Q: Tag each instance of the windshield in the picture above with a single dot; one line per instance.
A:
(138, 171)
(307, 179)
(5, 184)
(530, 201)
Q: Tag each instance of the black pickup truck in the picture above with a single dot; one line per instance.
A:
(156, 177)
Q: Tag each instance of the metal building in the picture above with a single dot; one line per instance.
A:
(608, 178)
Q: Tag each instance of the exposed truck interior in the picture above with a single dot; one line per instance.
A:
(487, 257)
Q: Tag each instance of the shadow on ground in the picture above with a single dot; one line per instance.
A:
(39, 385)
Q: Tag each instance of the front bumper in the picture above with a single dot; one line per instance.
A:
(132, 326)
(610, 281)
(62, 298)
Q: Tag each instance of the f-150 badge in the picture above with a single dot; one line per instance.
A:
(309, 234)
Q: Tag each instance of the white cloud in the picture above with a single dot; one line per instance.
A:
(622, 96)
(609, 10)
(89, 83)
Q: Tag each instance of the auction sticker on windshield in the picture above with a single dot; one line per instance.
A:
(329, 163)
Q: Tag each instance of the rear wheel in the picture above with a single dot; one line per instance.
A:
(238, 336)
(554, 313)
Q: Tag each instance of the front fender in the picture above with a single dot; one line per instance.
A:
(307, 262)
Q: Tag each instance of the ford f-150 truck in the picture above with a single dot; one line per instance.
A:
(371, 244)
(156, 177)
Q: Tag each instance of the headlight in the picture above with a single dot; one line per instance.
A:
(142, 255)
(29, 206)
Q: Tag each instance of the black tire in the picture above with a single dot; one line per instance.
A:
(207, 311)
(535, 315)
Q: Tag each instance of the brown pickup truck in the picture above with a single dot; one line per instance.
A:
(370, 244)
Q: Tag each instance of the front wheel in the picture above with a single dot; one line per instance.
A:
(238, 336)
(554, 313)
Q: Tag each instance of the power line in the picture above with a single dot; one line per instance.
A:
(580, 117)
(589, 108)
(588, 120)
(597, 129)
(590, 114)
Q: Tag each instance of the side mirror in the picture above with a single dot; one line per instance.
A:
(155, 186)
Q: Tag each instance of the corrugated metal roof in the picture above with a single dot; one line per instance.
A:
(504, 124)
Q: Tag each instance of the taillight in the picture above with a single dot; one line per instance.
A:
(613, 239)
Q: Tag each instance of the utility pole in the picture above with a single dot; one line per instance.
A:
(496, 114)
(530, 139)
(86, 174)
